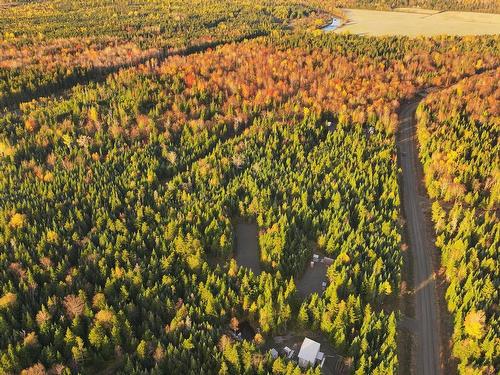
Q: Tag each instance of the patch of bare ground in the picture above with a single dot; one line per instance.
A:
(247, 245)
(312, 280)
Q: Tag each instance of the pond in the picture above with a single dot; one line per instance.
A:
(247, 331)
(335, 24)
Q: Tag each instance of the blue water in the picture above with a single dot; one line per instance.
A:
(335, 24)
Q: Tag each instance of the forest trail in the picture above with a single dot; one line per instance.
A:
(421, 244)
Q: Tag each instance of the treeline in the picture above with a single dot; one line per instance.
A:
(458, 131)
(444, 49)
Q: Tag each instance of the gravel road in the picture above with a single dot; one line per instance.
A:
(427, 338)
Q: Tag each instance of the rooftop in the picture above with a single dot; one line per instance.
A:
(309, 350)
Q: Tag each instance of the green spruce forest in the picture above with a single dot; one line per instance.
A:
(134, 135)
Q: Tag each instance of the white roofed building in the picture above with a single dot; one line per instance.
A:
(308, 353)
(274, 353)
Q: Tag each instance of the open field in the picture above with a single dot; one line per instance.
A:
(371, 22)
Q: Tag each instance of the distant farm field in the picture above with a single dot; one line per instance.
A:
(415, 23)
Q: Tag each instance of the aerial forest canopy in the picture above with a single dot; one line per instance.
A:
(46, 45)
(133, 136)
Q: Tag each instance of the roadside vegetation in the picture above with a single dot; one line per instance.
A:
(458, 131)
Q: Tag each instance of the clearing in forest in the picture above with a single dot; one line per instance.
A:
(248, 255)
(312, 279)
(247, 246)
(372, 22)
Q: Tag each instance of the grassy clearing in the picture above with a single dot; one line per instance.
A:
(371, 22)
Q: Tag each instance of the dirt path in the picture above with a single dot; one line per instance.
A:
(427, 337)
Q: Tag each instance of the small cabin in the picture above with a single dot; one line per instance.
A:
(308, 353)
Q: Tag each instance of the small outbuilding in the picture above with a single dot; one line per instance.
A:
(308, 353)
(320, 359)
(288, 352)
(327, 261)
(274, 353)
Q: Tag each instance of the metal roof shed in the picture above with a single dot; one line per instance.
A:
(308, 352)
(274, 353)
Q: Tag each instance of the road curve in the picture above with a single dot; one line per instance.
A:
(419, 227)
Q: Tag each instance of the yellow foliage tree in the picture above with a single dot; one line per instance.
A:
(52, 236)
(474, 324)
(17, 220)
(104, 316)
(7, 300)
